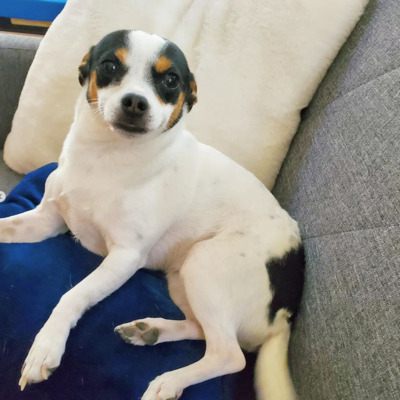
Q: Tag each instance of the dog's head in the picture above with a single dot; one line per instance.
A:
(137, 82)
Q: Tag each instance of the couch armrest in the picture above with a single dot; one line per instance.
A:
(16, 55)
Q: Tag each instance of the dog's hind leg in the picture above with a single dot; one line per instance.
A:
(151, 331)
(223, 356)
(210, 303)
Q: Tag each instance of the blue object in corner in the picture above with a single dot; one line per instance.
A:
(38, 10)
(97, 364)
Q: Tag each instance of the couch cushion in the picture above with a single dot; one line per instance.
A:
(373, 50)
(341, 181)
(341, 171)
(255, 63)
(346, 342)
(16, 54)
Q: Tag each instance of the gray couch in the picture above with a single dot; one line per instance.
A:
(341, 181)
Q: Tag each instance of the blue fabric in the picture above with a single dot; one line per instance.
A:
(97, 363)
(40, 10)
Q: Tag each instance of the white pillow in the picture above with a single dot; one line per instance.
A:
(257, 64)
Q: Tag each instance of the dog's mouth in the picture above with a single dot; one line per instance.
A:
(127, 127)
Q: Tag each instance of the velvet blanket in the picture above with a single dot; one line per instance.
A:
(97, 364)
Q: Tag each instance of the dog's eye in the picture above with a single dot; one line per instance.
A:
(171, 81)
(108, 67)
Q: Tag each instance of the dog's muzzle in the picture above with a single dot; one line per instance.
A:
(133, 116)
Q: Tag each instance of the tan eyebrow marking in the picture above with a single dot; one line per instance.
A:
(122, 54)
(162, 64)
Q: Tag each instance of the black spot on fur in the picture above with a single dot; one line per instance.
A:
(179, 66)
(105, 51)
(287, 280)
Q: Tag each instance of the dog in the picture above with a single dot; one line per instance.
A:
(233, 257)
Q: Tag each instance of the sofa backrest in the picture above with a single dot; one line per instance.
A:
(341, 181)
(16, 55)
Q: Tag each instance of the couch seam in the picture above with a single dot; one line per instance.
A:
(17, 49)
(349, 231)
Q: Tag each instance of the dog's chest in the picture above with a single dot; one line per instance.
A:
(79, 210)
(102, 211)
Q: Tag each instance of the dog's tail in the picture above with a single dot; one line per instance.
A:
(272, 376)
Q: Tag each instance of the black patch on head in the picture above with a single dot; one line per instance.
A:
(286, 276)
(102, 57)
(180, 68)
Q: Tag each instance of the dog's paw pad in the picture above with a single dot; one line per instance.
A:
(138, 333)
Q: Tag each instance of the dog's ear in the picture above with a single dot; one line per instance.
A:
(191, 92)
(84, 67)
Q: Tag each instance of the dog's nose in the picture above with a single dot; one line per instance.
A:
(134, 104)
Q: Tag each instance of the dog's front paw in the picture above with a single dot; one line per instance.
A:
(139, 333)
(164, 387)
(43, 358)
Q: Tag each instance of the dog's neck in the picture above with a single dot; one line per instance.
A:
(93, 140)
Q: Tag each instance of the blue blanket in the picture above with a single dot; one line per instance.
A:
(97, 364)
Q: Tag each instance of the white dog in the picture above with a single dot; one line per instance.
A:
(134, 186)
